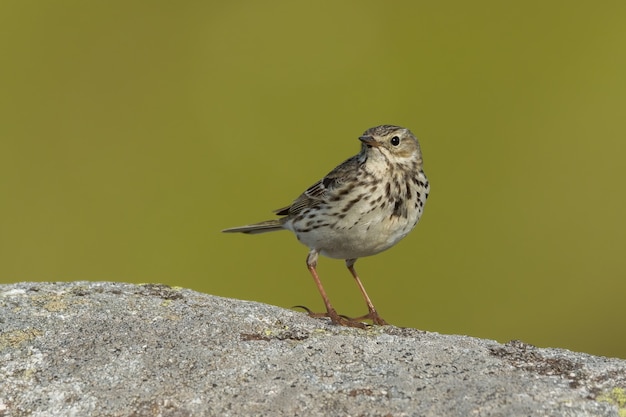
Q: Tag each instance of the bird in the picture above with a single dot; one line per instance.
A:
(364, 206)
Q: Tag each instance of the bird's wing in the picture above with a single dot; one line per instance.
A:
(320, 191)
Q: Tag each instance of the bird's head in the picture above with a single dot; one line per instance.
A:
(393, 143)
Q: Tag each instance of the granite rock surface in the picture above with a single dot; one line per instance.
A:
(112, 349)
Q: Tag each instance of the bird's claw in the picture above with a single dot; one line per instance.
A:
(343, 320)
(374, 317)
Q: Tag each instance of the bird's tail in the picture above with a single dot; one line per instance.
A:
(266, 226)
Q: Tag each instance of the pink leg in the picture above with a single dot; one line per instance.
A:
(373, 314)
(311, 263)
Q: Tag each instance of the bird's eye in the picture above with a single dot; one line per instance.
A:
(395, 141)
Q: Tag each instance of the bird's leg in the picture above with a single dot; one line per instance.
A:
(311, 263)
(372, 314)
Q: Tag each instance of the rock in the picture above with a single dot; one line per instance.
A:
(102, 349)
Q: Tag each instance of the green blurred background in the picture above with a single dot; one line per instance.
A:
(131, 133)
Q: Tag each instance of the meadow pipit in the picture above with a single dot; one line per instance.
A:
(364, 206)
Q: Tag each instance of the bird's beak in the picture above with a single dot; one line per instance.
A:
(369, 141)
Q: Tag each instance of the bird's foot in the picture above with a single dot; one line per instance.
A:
(372, 315)
(337, 319)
